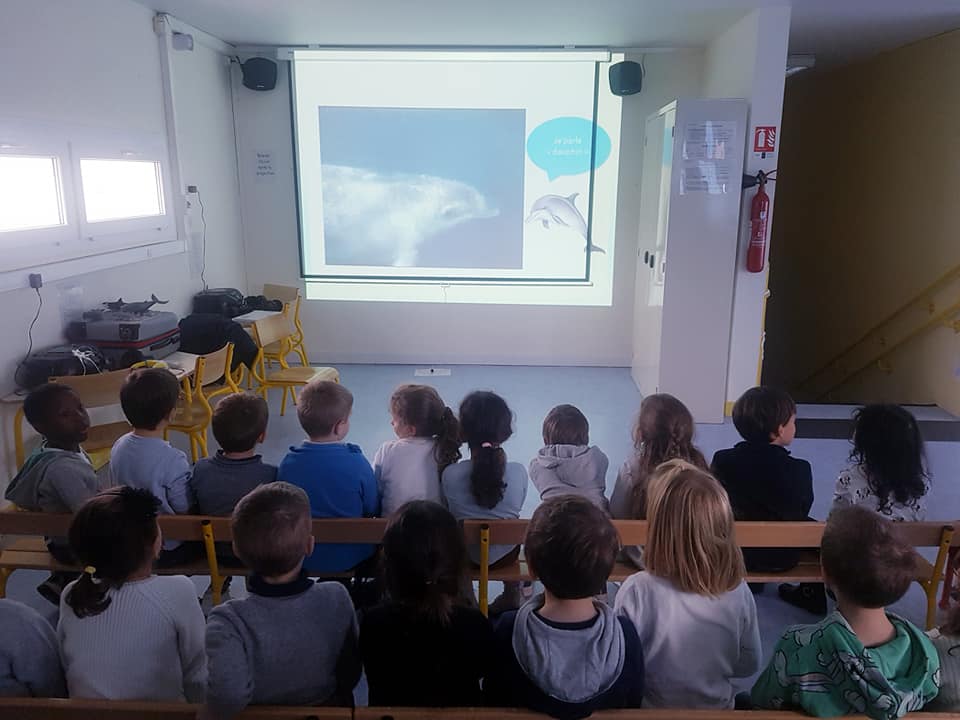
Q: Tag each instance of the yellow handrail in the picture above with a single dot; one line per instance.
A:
(947, 277)
(938, 319)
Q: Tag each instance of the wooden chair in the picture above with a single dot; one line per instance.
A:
(276, 329)
(99, 390)
(194, 412)
(291, 298)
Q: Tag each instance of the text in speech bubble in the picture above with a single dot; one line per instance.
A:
(563, 146)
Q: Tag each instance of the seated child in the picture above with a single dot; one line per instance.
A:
(566, 653)
(761, 478)
(486, 485)
(946, 639)
(421, 647)
(143, 459)
(335, 475)
(126, 634)
(428, 440)
(861, 659)
(664, 431)
(695, 615)
(239, 425)
(568, 464)
(291, 641)
(29, 654)
(58, 476)
(889, 474)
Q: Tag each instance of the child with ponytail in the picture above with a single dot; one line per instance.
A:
(126, 634)
(486, 485)
(423, 646)
(428, 440)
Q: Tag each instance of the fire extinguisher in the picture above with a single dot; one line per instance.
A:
(759, 212)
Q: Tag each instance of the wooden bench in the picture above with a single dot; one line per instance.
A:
(801, 535)
(30, 551)
(58, 709)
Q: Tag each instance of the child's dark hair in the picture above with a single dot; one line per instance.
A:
(113, 534)
(888, 446)
(321, 405)
(485, 423)
(566, 425)
(761, 411)
(148, 396)
(42, 401)
(664, 431)
(865, 558)
(424, 559)
(421, 407)
(571, 547)
(271, 528)
(239, 420)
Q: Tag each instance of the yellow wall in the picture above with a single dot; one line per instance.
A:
(868, 215)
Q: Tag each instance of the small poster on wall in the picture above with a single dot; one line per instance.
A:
(706, 157)
(263, 168)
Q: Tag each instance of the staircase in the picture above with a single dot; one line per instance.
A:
(938, 305)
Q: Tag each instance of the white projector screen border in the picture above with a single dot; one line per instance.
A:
(595, 289)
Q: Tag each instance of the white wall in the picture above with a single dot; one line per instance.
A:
(97, 64)
(748, 61)
(454, 333)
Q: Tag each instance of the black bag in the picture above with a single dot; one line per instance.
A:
(260, 302)
(227, 302)
(203, 333)
(57, 362)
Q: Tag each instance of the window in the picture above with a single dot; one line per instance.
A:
(120, 189)
(31, 193)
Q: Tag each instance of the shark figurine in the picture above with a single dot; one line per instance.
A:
(137, 308)
(559, 210)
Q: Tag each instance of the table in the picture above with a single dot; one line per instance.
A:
(248, 319)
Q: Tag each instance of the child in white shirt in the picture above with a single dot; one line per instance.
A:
(428, 440)
(695, 615)
(125, 633)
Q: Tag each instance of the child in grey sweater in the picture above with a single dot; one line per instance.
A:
(29, 654)
(291, 641)
(568, 464)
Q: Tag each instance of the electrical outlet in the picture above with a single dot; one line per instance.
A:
(431, 372)
(36, 280)
(192, 189)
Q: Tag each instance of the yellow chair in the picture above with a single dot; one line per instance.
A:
(289, 296)
(99, 390)
(194, 412)
(276, 330)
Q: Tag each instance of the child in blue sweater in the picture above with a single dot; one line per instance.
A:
(337, 478)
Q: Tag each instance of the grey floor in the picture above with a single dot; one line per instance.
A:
(609, 399)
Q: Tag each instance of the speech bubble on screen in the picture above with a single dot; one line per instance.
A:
(561, 146)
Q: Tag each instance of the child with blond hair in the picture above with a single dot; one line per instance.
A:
(694, 614)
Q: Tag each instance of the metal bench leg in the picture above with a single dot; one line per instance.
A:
(5, 574)
(484, 567)
(216, 580)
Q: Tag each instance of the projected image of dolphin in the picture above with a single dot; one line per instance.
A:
(374, 218)
(553, 210)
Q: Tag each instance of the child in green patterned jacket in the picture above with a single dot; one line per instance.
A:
(860, 658)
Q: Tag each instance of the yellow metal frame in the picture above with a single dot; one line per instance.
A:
(295, 340)
(921, 298)
(484, 567)
(932, 584)
(194, 386)
(216, 579)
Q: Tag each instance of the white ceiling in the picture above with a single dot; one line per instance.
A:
(835, 30)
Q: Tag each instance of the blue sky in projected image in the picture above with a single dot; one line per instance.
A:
(423, 187)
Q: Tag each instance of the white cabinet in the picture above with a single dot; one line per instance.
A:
(686, 258)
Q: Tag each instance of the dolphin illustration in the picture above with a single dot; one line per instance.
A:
(375, 218)
(560, 210)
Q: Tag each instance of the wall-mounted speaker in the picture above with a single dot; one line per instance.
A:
(259, 73)
(626, 78)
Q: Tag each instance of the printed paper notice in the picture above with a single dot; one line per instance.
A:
(264, 171)
(707, 165)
